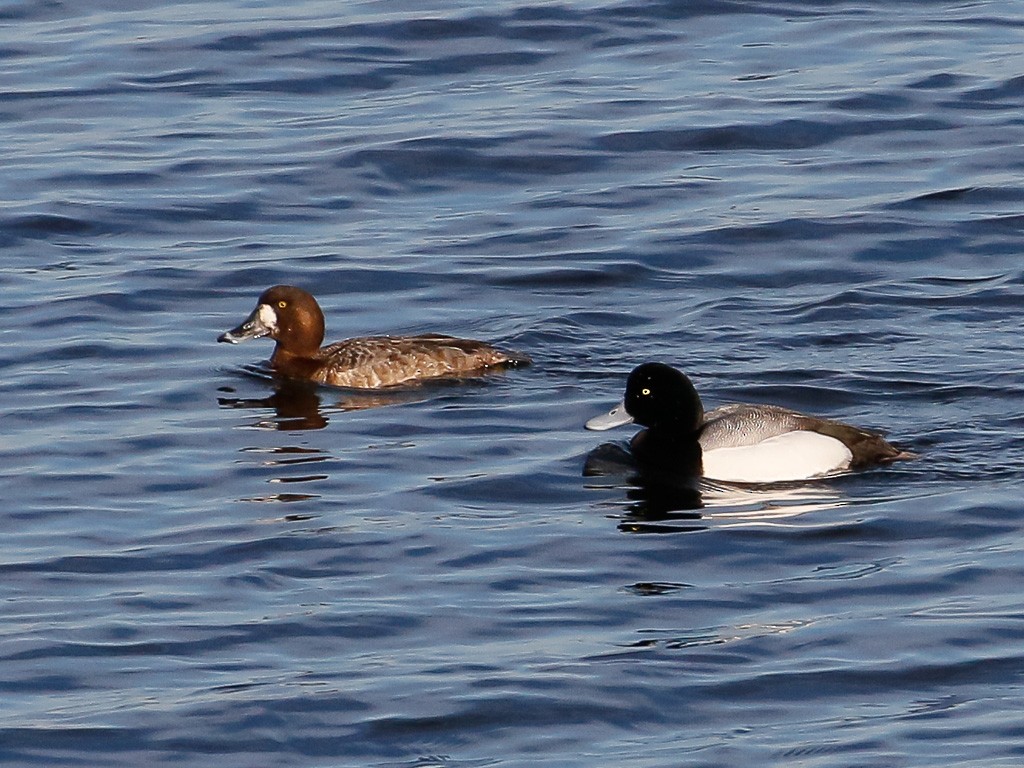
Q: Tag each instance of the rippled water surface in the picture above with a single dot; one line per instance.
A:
(815, 205)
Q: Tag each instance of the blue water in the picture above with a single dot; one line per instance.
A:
(815, 205)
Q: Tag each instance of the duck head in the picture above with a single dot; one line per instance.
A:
(287, 314)
(657, 397)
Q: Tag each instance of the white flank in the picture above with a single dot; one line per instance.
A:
(793, 456)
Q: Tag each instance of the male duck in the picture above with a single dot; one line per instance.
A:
(291, 317)
(738, 443)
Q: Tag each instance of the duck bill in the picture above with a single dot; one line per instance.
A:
(616, 417)
(254, 327)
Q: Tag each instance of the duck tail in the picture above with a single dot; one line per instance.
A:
(902, 455)
(515, 359)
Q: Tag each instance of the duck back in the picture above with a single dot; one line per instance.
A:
(383, 361)
(741, 425)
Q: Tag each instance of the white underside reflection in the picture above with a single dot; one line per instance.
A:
(775, 505)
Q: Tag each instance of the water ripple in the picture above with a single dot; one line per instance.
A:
(817, 207)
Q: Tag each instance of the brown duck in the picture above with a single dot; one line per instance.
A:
(291, 317)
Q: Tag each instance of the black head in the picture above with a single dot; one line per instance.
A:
(658, 396)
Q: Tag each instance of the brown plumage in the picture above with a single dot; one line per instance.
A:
(292, 317)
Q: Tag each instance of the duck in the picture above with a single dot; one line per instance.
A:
(739, 443)
(293, 318)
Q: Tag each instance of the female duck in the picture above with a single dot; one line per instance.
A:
(293, 319)
(738, 443)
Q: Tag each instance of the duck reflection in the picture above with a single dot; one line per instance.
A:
(663, 497)
(672, 496)
(299, 405)
(284, 459)
(296, 406)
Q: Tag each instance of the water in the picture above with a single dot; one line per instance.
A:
(812, 205)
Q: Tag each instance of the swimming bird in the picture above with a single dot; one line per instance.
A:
(737, 443)
(292, 317)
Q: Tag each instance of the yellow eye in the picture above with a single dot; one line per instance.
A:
(645, 391)
(282, 304)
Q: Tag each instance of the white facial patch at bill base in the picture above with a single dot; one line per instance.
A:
(267, 317)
